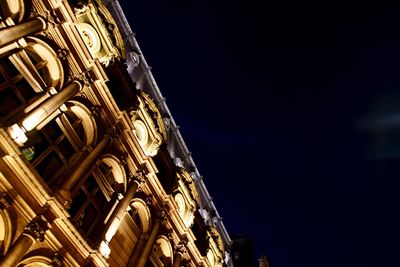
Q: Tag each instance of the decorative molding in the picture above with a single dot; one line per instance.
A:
(95, 110)
(100, 33)
(57, 260)
(5, 201)
(86, 78)
(36, 230)
(63, 53)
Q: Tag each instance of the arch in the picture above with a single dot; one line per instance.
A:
(117, 169)
(88, 121)
(35, 261)
(164, 250)
(5, 232)
(14, 9)
(53, 70)
(143, 212)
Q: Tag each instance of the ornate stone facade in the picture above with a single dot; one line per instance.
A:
(93, 169)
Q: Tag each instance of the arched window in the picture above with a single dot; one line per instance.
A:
(91, 202)
(134, 226)
(140, 214)
(25, 76)
(87, 206)
(14, 9)
(50, 148)
(15, 91)
(110, 175)
(163, 251)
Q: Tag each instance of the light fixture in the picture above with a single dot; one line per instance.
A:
(17, 134)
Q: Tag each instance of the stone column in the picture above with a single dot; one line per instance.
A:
(31, 234)
(150, 243)
(39, 115)
(80, 173)
(119, 211)
(137, 250)
(26, 67)
(13, 33)
(45, 109)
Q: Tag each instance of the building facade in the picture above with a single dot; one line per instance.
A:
(93, 168)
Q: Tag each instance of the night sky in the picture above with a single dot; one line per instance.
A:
(291, 110)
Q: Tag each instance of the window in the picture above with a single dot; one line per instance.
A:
(20, 86)
(50, 148)
(134, 213)
(88, 205)
(15, 92)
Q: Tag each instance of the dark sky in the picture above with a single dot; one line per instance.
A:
(292, 112)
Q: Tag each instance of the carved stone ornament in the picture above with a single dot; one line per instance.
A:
(217, 238)
(162, 215)
(181, 247)
(99, 32)
(189, 183)
(35, 230)
(5, 201)
(149, 127)
(138, 176)
(57, 260)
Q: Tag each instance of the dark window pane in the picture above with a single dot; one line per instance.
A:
(104, 168)
(111, 180)
(2, 79)
(78, 202)
(76, 123)
(49, 165)
(72, 117)
(52, 130)
(100, 199)
(135, 217)
(9, 67)
(80, 131)
(90, 184)
(8, 101)
(107, 173)
(25, 90)
(66, 148)
(88, 217)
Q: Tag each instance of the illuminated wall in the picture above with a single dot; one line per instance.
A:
(93, 170)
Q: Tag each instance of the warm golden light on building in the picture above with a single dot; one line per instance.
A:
(93, 169)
